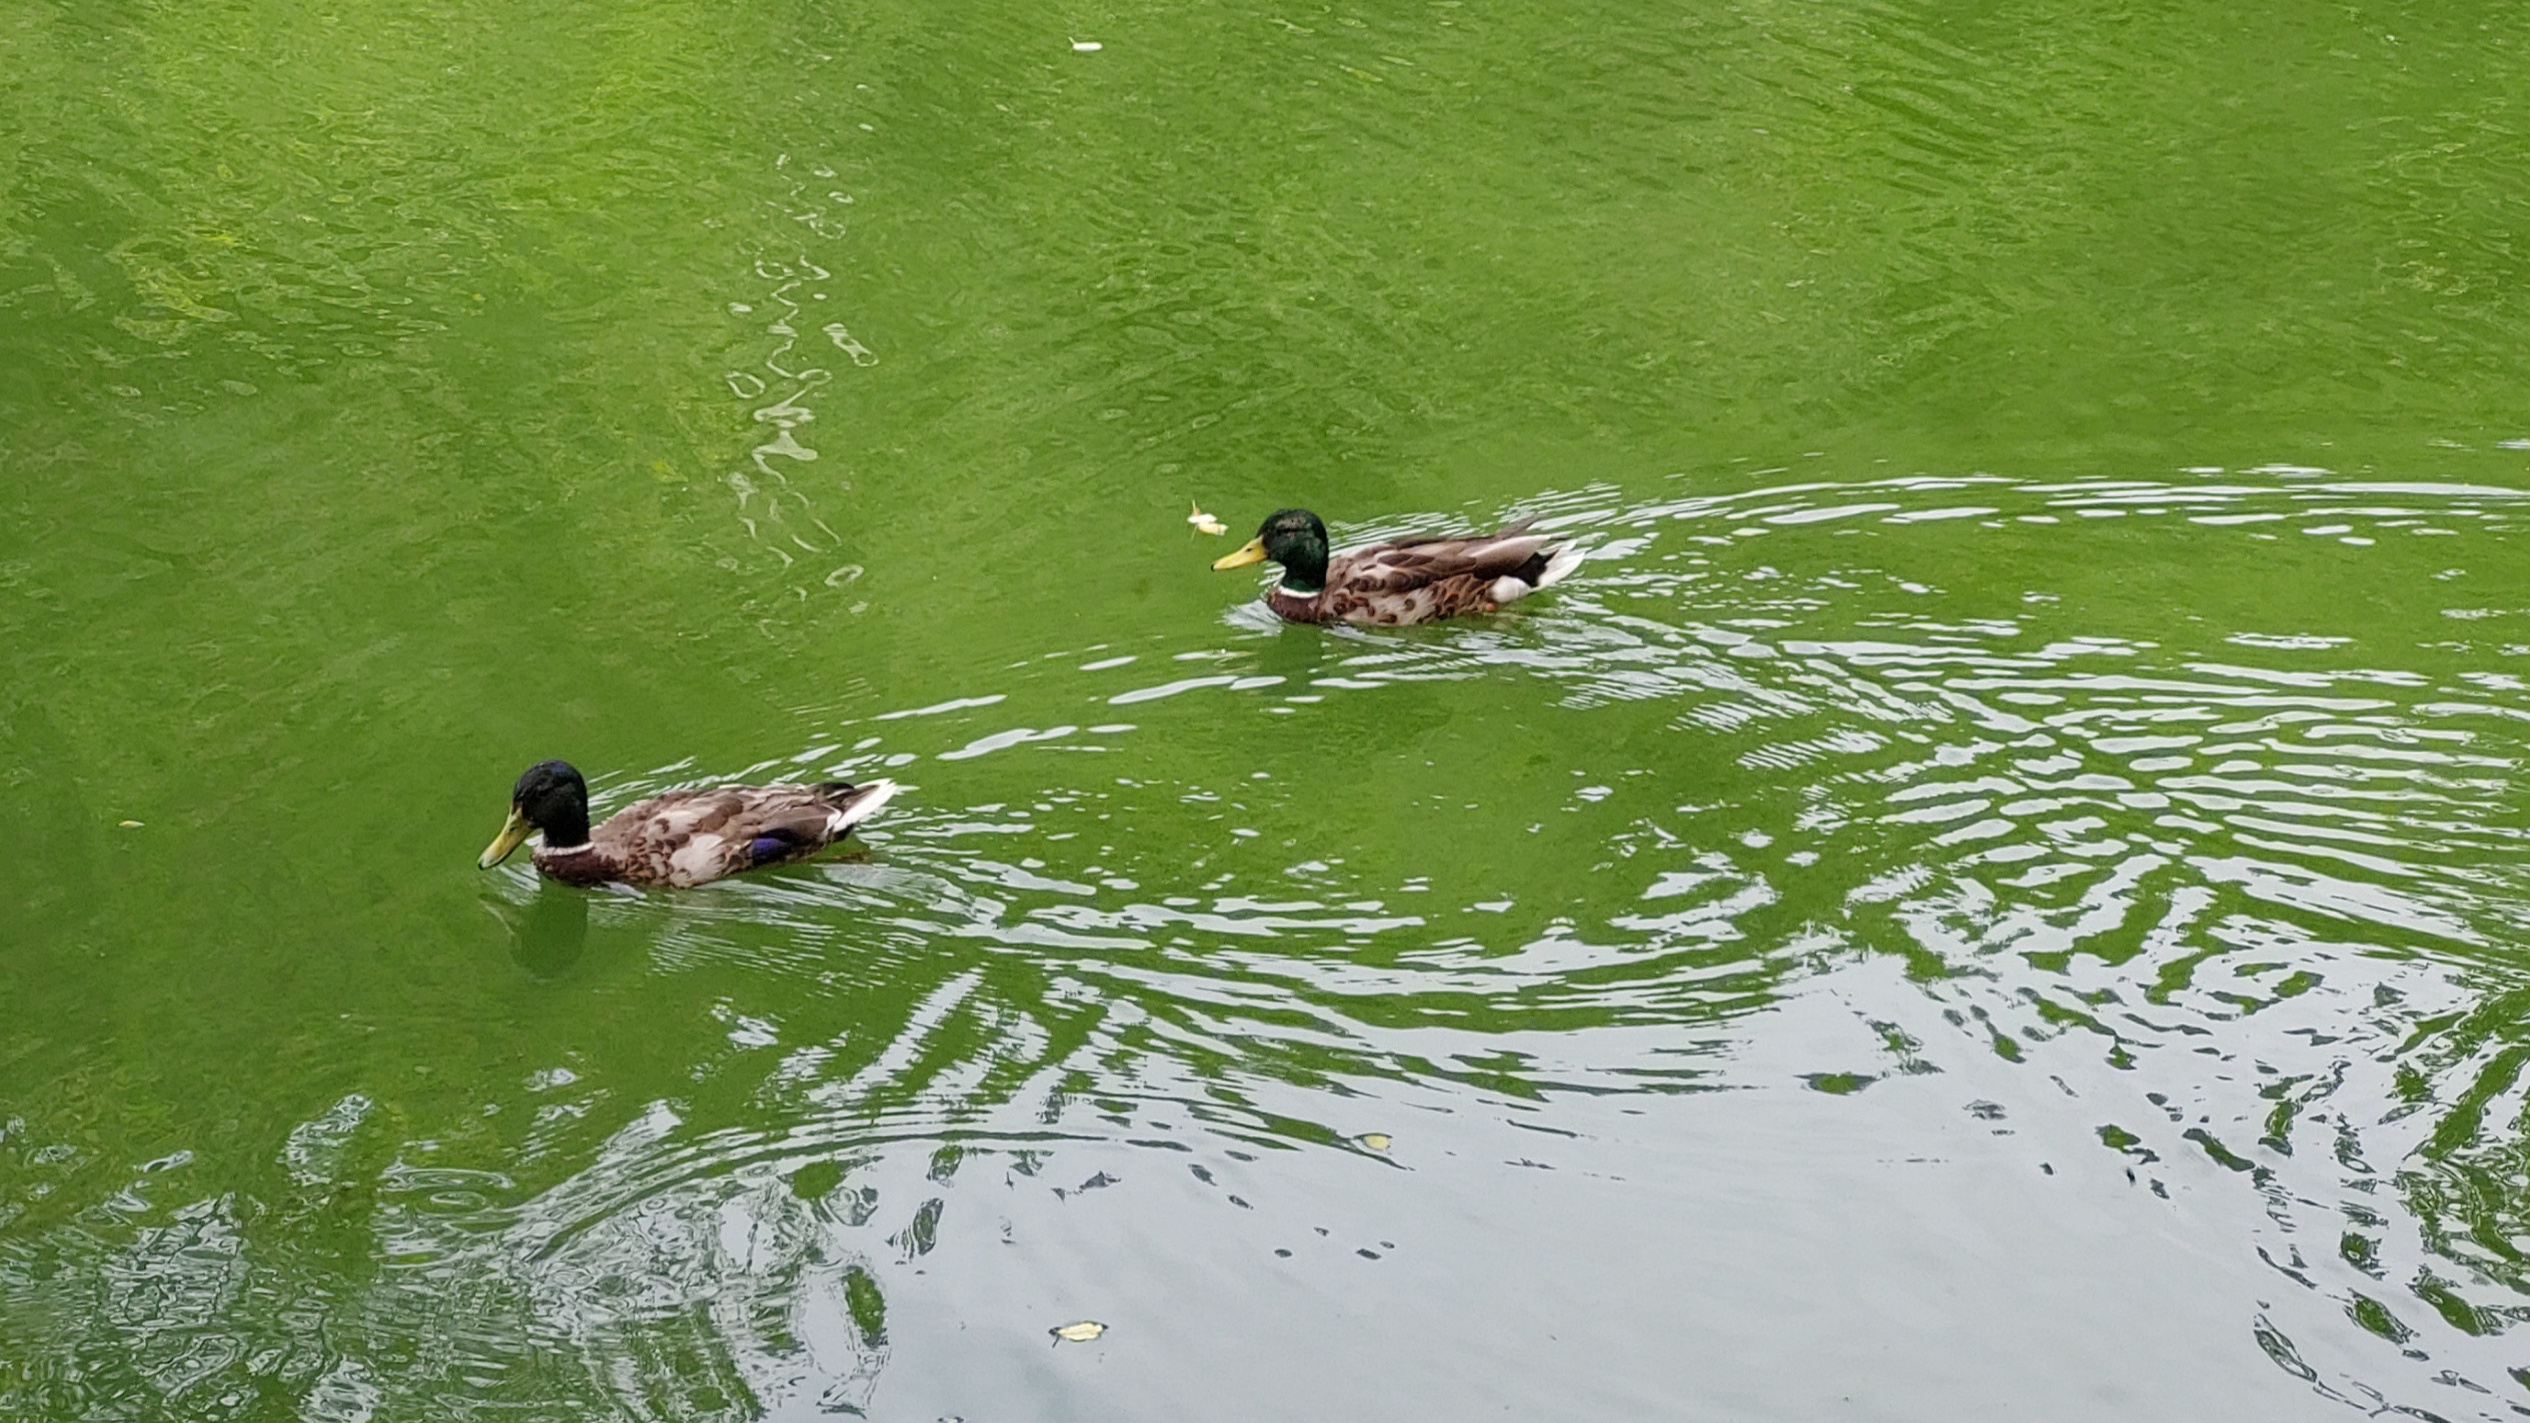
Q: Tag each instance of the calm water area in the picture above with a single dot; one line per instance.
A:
(1997, 890)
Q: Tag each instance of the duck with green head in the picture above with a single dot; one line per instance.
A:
(1401, 581)
(680, 839)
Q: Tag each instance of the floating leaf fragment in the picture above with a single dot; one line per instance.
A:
(1079, 1331)
(1206, 522)
(1375, 1140)
(129, 824)
(1086, 46)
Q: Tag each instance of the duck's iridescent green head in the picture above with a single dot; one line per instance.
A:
(1294, 538)
(551, 797)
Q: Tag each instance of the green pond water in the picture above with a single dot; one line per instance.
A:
(1998, 889)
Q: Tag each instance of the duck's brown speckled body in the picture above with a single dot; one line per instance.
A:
(683, 838)
(1402, 581)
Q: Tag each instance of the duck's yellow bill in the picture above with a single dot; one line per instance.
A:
(1253, 551)
(511, 834)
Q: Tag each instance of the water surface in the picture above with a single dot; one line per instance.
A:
(1996, 888)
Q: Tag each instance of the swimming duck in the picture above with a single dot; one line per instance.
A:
(1413, 580)
(683, 838)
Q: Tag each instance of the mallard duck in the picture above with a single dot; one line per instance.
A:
(683, 838)
(1403, 580)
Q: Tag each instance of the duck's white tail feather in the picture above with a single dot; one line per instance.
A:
(871, 797)
(1510, 588)
(1559, 563)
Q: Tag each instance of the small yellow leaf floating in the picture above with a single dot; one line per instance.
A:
(1080, 1332)
(1206, 522)
(129, 824)
(1086, 46)
(1375, 1140)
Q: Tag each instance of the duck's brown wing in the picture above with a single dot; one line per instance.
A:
(1416, 580)
(1402, 565)
(687, 838)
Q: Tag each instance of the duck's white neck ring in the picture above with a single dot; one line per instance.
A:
(580, 849)
(1290, 592)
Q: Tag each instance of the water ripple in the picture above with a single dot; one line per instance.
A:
(2239, 893)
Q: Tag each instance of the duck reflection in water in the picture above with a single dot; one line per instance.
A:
(548, 933)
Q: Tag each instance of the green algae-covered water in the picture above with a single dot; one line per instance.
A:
(1997, 890)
